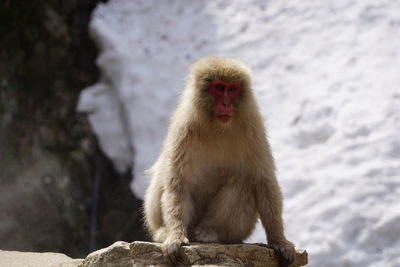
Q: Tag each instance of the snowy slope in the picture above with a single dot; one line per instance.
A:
(327, 77)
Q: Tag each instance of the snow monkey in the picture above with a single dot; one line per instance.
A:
(215, 174)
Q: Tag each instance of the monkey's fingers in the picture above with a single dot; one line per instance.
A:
(171, 250)
(285, 250)
(288, 254)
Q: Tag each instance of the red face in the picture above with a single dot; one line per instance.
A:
(224, 94)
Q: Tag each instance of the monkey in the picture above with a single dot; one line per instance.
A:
(215, 175)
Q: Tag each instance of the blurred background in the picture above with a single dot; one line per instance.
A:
(87, 89)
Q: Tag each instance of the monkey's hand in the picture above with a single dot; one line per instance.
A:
(171, 247)
(285, 248)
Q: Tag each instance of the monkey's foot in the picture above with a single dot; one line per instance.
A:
(171, 247)
(285, 249)
(205, 234)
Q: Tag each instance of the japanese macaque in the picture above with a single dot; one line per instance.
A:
(215, 174)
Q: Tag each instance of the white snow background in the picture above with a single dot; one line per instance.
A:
(327, 79)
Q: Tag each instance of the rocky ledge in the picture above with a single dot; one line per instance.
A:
(140, 254)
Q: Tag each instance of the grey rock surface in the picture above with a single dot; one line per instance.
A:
(140, 254)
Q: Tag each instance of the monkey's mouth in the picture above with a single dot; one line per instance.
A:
(224, 118)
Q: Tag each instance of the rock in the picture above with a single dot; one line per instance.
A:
(140, 254)
(30, 259)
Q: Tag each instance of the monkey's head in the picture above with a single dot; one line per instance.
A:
(220, 87)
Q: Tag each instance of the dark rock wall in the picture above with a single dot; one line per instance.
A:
(49, 159)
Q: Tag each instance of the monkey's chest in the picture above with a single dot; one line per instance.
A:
(208, 182)
(211, 167)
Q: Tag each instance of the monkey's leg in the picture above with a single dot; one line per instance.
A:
(230, 217)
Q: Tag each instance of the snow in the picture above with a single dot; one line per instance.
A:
(326, 76)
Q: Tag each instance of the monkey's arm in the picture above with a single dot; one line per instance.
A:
(269, 205)
(173, 212)
(175, 199)
(173, 206)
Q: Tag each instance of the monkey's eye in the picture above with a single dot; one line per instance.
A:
(233, 88)
(220, 87)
